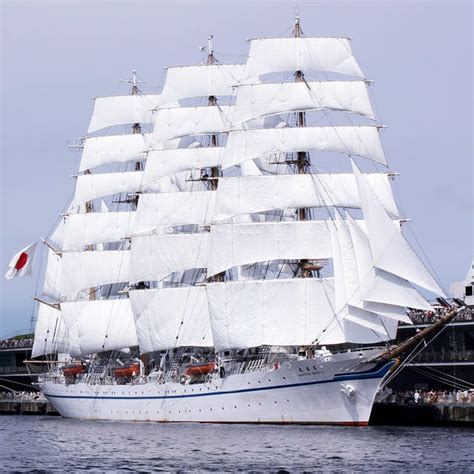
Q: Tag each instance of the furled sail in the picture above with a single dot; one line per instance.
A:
(244, 145)
(154, 257)
(99, 325)
(258, 100)
(171, 317)
(51, 335)
(253, 313)
(124, 109)
(96, 228)
(201, 81)
(99, 151)
(250, 194)
(241, 244)
(301, 54)
(390, 251)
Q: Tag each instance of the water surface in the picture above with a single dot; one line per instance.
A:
(29, 443)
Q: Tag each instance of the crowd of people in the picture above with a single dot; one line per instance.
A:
(429, 397)
(419, 316)
(15, 343)
(21, 396)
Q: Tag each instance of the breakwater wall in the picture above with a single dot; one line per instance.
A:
(423, 415)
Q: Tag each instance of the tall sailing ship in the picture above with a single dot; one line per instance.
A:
(227, 259)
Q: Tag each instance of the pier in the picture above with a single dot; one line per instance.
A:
(27, 407)
(461, 415)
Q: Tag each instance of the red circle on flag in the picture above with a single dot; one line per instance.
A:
(21, 262)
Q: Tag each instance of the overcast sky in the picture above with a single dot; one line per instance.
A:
(57, 55)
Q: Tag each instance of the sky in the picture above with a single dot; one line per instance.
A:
(57, 55)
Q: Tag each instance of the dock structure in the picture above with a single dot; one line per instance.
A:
(438, 414)
(27, 407)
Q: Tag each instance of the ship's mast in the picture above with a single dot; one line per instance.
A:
(302, 159)
(136, 127)
(212, 102)
(92, 292)
(215, 170)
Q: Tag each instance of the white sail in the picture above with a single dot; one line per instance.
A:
(154, 257)
(183, 121)
(96, 228)
(356, 324)
(99, 325)
(82, 270)
(250, 194)
(99, 151)
(201, 81)
(258, 100)
(244, 145)
(390, 251)
(52, 276)
(173, 209)
(56, 239)
(254, 313)
(301, 54)
(93, 186)
(378, 286)
(51, 335)
(359, 279)
(124, 109)
(241, 244)
(171, 317)
(169, 162)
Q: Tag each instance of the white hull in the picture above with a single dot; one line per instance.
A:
(303, 391)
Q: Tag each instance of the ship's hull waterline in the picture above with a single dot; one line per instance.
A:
(305, 391)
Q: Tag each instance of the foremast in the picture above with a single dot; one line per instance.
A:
(86, 279)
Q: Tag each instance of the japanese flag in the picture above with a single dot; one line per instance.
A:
(22, 263)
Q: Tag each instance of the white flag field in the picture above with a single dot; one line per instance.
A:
(22, 263)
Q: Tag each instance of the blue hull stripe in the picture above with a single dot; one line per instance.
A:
(374, 374)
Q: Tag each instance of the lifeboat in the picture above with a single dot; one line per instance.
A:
(127, 371)
(72, 370)
(197, 370)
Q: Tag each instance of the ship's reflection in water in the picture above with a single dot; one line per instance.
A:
(56, 444)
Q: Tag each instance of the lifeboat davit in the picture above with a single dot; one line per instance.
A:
(72, 370)
(127, 371)
(197, 370)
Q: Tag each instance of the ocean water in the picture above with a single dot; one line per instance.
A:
(53, 444)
